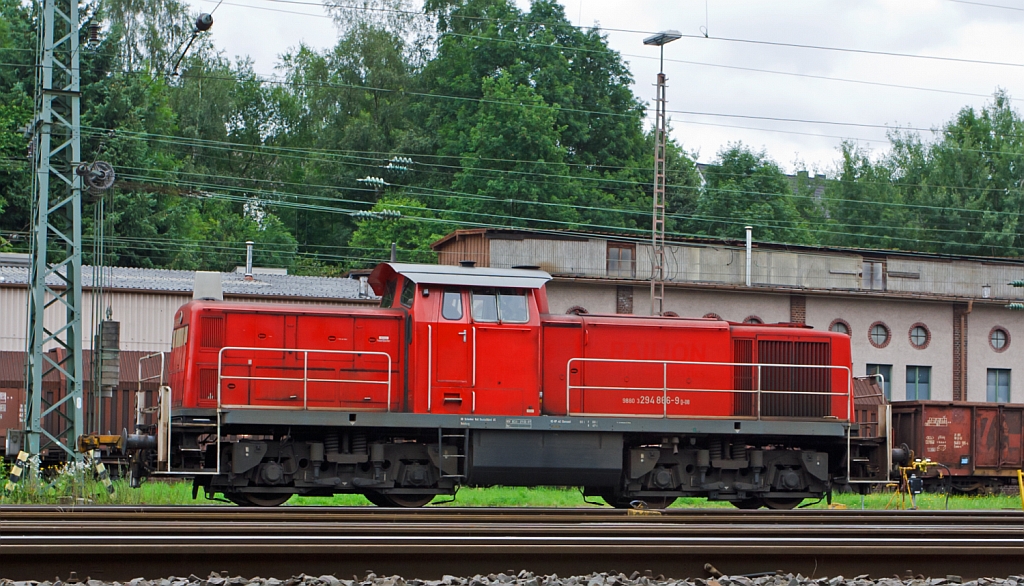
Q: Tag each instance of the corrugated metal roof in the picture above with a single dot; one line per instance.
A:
(181, 281)
(502, 233)
(867, 392)
(453, 275)
(12, 369)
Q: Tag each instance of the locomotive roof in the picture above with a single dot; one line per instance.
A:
(457, 275)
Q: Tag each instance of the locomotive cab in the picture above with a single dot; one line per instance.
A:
(475, 336)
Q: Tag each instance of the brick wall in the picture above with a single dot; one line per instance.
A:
(960, 315)
(798, 309)
(624, 299)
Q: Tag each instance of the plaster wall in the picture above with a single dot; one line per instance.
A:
(596, 298)
(729, 305)
(899, 316)
(981, 356)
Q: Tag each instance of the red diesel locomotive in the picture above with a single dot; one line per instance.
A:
(463, 378)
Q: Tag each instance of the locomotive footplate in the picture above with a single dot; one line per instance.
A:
(732, 427)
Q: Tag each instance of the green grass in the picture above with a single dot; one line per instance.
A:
(71, 485)
(180, 493)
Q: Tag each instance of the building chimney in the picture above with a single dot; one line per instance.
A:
(749, 230)
(248, 259)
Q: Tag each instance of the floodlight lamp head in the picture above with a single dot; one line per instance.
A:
(204, 22)
(663, 38)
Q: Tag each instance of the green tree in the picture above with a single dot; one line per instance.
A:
(864, 206)
(746, 187)
(412, 233)
(515, 139)
(17, 57)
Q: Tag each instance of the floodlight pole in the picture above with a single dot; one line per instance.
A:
(658, 272)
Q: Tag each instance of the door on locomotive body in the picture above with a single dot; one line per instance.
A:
(453, 341)
(505, 332)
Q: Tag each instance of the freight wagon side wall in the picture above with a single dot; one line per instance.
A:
(970, 439)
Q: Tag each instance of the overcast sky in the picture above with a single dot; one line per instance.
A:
(711, 81)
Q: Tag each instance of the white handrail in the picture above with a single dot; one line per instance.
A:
(665, 389)
(305, 374)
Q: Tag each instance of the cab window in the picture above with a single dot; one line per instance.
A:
(500, 305)
(451, 305)
(408, 293)
(512, 307)
(388, 298)
(179, 337)
(485, 305)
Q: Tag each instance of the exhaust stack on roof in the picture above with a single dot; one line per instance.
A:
(248, 259)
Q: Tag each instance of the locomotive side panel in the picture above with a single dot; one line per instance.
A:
(653, 368)
(236, 356)
(562, 339)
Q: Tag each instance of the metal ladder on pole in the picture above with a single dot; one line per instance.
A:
(658, 268)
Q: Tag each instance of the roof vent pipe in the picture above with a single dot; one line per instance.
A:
(749, 229)
(467, 263)
(248, 259)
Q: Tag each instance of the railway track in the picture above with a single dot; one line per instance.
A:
(119, 543)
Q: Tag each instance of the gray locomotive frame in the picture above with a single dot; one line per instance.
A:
(404, 459)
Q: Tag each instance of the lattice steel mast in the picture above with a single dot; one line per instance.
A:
(658, 272)
(56, 274)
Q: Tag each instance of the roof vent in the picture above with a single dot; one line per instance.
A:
(527, 267)
(467, 263)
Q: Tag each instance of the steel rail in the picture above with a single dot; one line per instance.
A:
(119, 543)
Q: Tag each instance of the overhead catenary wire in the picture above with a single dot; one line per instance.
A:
(226, 145)
(561, 223)
(448, 194)
(701, 37)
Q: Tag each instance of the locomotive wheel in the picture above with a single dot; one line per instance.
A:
(748, 504)
(249, 499)
(376, 498)
(408, 501)
(782, 504)
(399, 501)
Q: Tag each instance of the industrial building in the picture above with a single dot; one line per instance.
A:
(934, 326)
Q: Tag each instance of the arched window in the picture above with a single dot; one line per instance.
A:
(920, 336)
(999, 339)
(840, 326)
(879, 335)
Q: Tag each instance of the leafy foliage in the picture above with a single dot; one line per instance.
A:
(471, 112)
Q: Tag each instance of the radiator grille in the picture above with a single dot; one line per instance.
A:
(211, 332)
(743, 351)
(207, 383)
(814, 380)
